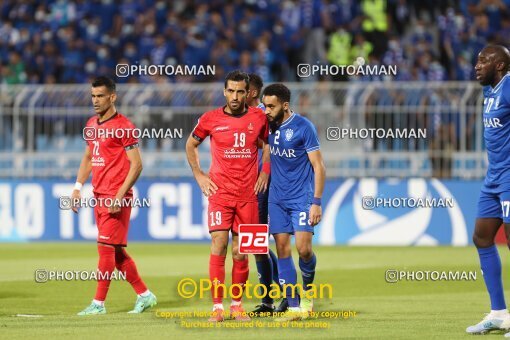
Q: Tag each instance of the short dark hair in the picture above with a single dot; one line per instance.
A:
(256, 81)
(238, 75)
(281, 92)
(104, 81)
(501, 53)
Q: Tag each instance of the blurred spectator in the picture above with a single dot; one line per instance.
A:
(395, 53)
(360, 48)
(62, 12)
(342, 13)
(375, 23)
(14, 71)
(493, 9)
(263, 59)
(293, 35)
(245, 62)
(400, 15)
(339, 52)
(316, 20)
(463, 68)
(503, 35)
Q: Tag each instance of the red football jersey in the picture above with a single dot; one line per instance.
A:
(108, 142)
(234, 167)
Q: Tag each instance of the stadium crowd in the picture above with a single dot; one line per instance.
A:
(61, 41)
(65, 42)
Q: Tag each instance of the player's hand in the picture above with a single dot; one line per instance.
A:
(206, 184)
(261, 185)
(116, 205)
(75, 197)
(315, 215)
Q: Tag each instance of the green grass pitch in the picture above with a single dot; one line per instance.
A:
(403, 310)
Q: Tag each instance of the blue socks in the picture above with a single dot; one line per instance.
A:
(491, 268)
(307, 271)
(265, 270)
(288, 275)
(274, 261)
(268, 273)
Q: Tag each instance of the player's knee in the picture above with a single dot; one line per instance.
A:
(477, 241)
(305, 252)
(238, 257)
(219, 246)
(283, 250)
(219, 250)
(482, 242)
(235, 252)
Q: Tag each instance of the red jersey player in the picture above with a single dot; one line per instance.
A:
(115, 162)
(233, 182)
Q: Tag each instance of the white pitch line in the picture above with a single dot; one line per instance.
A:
(29, 315)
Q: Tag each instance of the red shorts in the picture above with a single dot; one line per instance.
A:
(112, 228)
(226, 215)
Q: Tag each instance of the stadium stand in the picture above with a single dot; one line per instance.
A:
(45, 44)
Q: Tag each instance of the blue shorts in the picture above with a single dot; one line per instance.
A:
(289, 218)
(494, 205)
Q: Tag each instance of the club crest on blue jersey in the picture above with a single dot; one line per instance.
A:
(288, 134)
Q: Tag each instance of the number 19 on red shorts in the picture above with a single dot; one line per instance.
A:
(253, 239)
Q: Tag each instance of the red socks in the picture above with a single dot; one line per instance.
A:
(106, 266)
(240, 272)
(109, 258)
(125, 264)
(217, 275)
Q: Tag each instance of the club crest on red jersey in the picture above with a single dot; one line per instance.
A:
(250, 128)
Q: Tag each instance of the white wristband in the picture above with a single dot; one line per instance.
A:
(78, 186)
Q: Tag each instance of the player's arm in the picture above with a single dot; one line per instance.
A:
(135, 169)
(83, 175)
(319, 170)
(207, 186)
(260, 144)
(261, 185)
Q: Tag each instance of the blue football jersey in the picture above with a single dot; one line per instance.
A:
(292, 178)
(496, 121)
